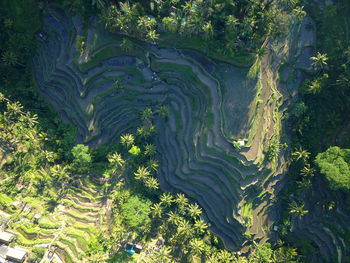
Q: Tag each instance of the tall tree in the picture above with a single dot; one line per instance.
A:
(194, 210)
(299, 12)
(301, 154)
(142, 173)
(127, 140)
(9, 58)
(320, 61)
(297, 210)
(157, 210)
(335, 165)
(197, 246)
(200, 226)
(152, 183)
(116, 160)
(150, 149)
(167, 199)
(163, 255)
(181, 200)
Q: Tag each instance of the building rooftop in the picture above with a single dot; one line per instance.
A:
(6, 236)
(16, 254)
(3, 251)
(241, 143)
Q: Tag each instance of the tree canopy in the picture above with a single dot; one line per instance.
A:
(136, 211)
(81, 155)
(334, 164)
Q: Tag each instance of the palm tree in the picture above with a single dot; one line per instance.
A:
(163, 111)
(307, 171)
(208, 30)
(187, 7)
(167, 199)
(163, 255)
(173, 218)
(200, 225)
(116, 160)
(299, 12)
(301, 154)
(231, 23)
(60, 173)
(157, 210)
(144, 131)
(8, 23)
(285, 255)
(150, 149)
(142, 24)
(147, 114)
(170, 23)
(213, 258)
(197, 246)
(184, 227)
(126, 45)
(126, 10)
(127, 140)
(142, 173)
(320, 61)
(9, 58)
(153, 164)
(298, 210)
(304, 183)
(152, 183)
(181, 200)
(315, 87)
(14, 108)
(152, 36)
(194, 210)
(48, 156)
(225, 256)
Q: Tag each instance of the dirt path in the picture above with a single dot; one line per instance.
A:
(45, 257)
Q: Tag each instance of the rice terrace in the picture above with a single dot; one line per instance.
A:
(165, 149)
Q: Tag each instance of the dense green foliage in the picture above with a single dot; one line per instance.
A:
(20, 24)
(228, 27)
(138, 206)
(325, 97)
(136, 211)
(37, 148)
(334, 163)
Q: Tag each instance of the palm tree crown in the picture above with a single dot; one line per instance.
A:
(320, 61)
(116, 159)
(194, 210)
(142, 173)
(127, 139)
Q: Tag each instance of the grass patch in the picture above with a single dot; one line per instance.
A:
(48, 224)
(254, 70)
(247, 213)
(72, 247)
(80, 239)
(70, 203)
(109, 52)
(169, 40)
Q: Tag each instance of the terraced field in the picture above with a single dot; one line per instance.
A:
(209, 104)
(68, 229)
